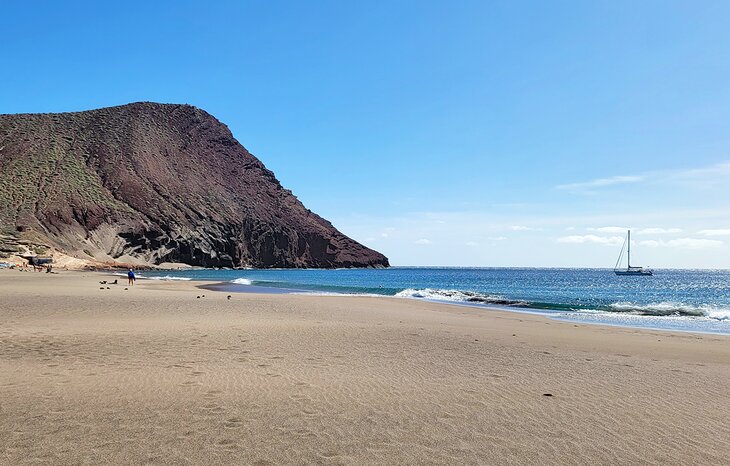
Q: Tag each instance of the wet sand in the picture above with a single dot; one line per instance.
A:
(156, 375)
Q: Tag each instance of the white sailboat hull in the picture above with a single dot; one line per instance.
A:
(633, 272)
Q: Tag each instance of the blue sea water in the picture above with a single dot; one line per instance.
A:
(689, 300)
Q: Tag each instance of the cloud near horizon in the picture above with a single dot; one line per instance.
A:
(638, 231)
(474, 238)
(717, 232)
(581, 239)
(609, 229)
(682, 243)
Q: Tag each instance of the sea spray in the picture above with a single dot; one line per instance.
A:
(242, 281)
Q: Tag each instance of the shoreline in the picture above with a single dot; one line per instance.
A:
(657, 307)
(552, 314)
(157, 374)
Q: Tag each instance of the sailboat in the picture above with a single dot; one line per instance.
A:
(629, 270)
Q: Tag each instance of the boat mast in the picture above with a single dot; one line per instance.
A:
(629, 258)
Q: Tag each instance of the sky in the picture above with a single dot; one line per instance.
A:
(461, 133)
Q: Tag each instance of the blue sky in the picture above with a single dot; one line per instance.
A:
(440, 133)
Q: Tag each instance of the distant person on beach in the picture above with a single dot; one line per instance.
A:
(131, 277)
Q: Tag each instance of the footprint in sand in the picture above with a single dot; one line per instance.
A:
(227, 443)
(233, 423)
(303, 433)
(214, 409)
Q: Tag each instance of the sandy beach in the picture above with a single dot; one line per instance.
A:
(155, 375)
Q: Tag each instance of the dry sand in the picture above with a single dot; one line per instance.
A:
(155, 375)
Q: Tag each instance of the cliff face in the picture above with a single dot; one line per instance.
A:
(158, 183)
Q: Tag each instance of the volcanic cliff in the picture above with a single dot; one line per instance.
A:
(155, 183)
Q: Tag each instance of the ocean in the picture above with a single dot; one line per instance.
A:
(680, 300)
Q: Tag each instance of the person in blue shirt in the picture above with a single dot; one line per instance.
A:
(131, 277)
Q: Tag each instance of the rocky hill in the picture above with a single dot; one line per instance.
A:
(152, 183)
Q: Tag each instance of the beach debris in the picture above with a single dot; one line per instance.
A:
(198, 297)
(126, 289)
(103, 282)
(108, 288)
(547, 394)
(228, 297)
(202, 296)
(101, 287)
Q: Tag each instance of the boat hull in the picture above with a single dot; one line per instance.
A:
(634, 272)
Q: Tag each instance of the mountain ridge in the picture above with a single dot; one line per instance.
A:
(155, 183)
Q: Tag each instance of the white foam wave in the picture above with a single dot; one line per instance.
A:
(670, 308)
(143, 277)
(242, 281)
(168, 277)
(457, 296)
(719, 314)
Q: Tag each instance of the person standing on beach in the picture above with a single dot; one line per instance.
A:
(131, 277)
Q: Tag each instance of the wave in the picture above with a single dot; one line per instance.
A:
(143, 277)
(168, 277)
(660, 309)
(669, 308)
(242, 281)
(459, 296)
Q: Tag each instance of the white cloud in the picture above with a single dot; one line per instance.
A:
(424, 241)
(386, 232)
(471, 243)
(719, 232)
(658, 231)
(638, 231)
(713, 171)
(709, 176)
(580, 239)
(602, 182)
(609, 229)
(497, 238)
(523, 228)
(682, 243)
